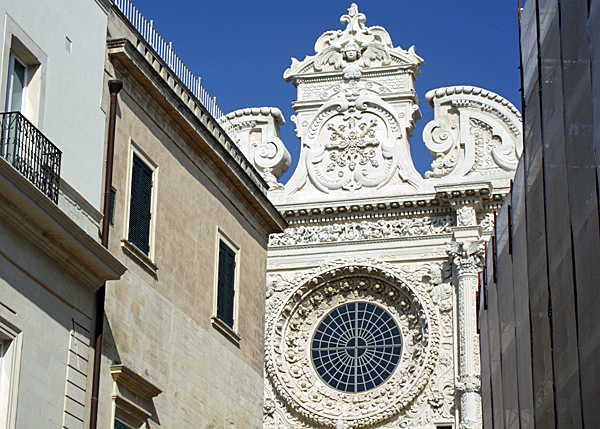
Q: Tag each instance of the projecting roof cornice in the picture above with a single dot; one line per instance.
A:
(205, 133)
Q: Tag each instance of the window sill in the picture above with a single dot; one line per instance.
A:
(136, 254)
(226, 331)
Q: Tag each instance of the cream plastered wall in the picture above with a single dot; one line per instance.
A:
(51, 312)
(63, 43)
(159, 314)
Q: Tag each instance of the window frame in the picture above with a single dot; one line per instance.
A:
(147, 258)
(12, 341)
(12, 59)
(231, 332)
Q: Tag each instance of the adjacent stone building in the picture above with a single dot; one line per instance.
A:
(371, 290)
(184, 329)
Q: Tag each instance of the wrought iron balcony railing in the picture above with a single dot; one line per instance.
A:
(31, 153)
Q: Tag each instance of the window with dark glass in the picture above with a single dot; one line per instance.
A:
(121, 425)
(17, 82)
(226, 284)
(356, 347)
(141, 198)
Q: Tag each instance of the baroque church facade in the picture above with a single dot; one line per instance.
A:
(371, 290)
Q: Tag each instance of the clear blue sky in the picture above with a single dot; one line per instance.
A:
(240, 49)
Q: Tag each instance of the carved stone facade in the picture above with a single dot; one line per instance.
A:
(366, 227)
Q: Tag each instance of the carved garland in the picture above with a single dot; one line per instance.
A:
(289, 333)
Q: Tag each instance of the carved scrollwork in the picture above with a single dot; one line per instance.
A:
(442, 138)
(475, 132)
(289, 331)
(257, 131)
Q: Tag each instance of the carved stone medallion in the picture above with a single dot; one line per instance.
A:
(350, 146)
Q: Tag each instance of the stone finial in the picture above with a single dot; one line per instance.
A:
(257, 135)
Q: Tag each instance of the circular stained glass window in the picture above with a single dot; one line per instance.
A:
(356, 347)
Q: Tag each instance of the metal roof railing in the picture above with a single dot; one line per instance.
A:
(168, 55)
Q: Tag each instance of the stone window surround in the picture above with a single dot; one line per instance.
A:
(219, 325)
(132, 396)
(146, 261)
(10, 362)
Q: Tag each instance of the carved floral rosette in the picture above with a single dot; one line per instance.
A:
(291, 327)
(353, 142)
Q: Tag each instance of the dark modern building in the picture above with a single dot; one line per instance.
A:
(538, 306)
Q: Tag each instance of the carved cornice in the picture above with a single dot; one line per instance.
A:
(471, 90)
(133, 382)
(255, 111)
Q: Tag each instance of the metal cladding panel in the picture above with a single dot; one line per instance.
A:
(583, 197)
(529, 51)
(532, 135)
(593, 29)
(542, 373)
(506, 320)
(495, 355)
(486, 382)
(521, 299)
(559, 253)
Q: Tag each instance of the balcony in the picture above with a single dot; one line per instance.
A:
(34, 156)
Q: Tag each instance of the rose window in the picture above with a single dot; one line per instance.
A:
(356, 347)
(354, 342)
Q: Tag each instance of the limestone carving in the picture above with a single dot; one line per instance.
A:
(468, 260)
(353, 49)
(475, 132)
(257, 134)
(288, 342)
(349, 147)
(365, 226)
(467, 257)
(353, 231)
(465, 216)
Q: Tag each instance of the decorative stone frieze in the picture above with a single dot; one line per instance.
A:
(356, 231)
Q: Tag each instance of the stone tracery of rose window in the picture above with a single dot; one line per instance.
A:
(407, 349)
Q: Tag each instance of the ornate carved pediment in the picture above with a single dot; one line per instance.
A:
(353, 50)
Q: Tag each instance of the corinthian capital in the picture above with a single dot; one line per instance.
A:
(467, 257)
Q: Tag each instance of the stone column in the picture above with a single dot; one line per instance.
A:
(468, 259)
